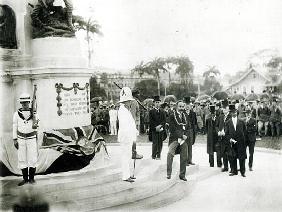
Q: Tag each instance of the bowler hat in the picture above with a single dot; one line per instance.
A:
(187, 99)
(212, 109)
(232, 108)
(156, 98)
(224, 103)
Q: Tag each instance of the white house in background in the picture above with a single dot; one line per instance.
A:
(252, 80)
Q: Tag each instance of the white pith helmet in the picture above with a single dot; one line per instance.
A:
(125, 95)
(24, 97)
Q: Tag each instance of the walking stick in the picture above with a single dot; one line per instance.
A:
(135, 153)
(134, 168)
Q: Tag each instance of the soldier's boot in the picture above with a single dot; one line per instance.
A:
(31, 175)
(25, 177)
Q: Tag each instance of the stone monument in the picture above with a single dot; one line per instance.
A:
(54, 64)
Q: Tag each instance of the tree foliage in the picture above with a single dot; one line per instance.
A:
(81, 23)
(184, 68)
(95, 89)
(91, 27)
(275, 63)
(148, 88)
(212, 71)
(160, 65)
(211, 84)
(180, 90)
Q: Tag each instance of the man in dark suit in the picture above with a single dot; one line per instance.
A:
(190, 129)
(235, 134)
(177, 138)
(251, 128)
(157, 122)
(220, 130)
(212, 138)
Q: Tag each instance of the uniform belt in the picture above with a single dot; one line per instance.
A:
(27, 135)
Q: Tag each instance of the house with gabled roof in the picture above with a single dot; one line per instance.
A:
(252, 80)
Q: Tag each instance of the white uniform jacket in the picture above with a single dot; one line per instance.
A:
(127, 129)
(22, 125)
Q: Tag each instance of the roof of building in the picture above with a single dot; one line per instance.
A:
(246, 74)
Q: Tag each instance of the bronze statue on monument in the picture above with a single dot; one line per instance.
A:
(52, 21)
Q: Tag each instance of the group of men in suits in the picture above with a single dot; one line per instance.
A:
(179, 124)
(229, 136)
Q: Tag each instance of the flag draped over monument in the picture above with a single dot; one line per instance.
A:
(61, 150)
(79, 141)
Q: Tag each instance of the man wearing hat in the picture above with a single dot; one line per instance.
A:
(275, 118)
(134, 108)
(177, 138)
(263, 117)
(220, 129)
(25, 139)
(199, 116)
(235, 134)
(251, 128)
(157, 122)
(127, 134)
(190, 129)
(212, 138)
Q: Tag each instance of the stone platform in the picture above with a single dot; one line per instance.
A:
(101, 188)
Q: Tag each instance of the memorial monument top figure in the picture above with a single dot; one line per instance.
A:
(52, 21)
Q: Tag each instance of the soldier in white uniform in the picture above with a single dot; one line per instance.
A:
(25, 139)
(127, 134)
(113, 120)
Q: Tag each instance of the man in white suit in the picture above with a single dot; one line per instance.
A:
(127, 134)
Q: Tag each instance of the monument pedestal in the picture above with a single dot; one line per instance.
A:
(58, 69)
(57, 52)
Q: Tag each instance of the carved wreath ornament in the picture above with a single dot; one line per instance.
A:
(59, 87)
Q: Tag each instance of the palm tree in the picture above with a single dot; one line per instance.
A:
(155, 67)
(210, 83)
(140, 69)
(184, 69)
(91, 27)
(211, 70)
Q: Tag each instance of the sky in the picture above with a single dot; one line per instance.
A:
(223, 33)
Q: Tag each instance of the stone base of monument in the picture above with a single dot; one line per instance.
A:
(102, 187)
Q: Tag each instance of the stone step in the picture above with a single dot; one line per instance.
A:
(73, 179)
(97, 190)
(106, 188)
(67, 185)
(58, 181)
(155, 184)
(175, 193)
(8, 198)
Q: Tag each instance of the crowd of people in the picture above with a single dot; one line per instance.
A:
(267, 113)
(231, 126)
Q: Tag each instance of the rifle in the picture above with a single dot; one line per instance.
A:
(34, 109)
(135, 98)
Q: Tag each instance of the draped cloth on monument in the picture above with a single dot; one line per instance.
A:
(61, 150)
